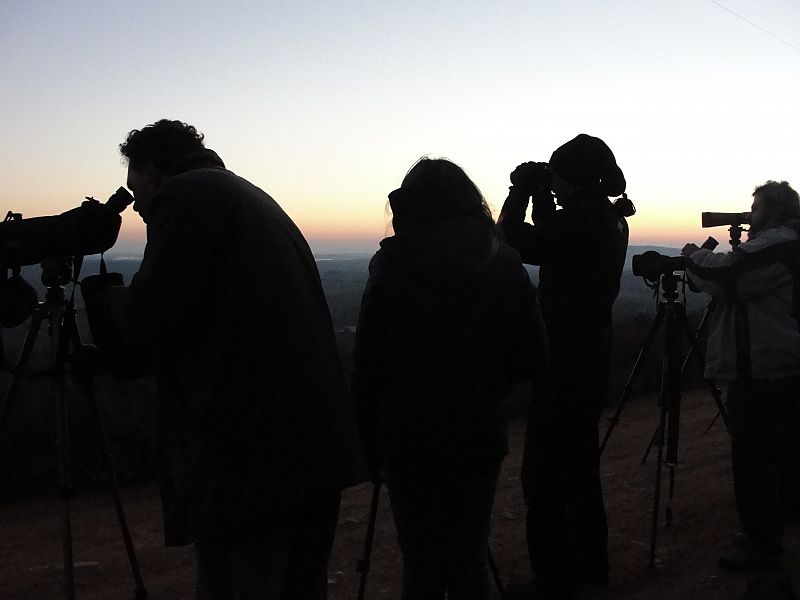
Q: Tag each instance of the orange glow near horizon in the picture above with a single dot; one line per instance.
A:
(351, 235)
(348, 236)
(671, 229)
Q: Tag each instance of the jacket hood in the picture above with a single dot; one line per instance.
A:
(451, 254)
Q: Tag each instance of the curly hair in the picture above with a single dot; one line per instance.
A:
(163, 143)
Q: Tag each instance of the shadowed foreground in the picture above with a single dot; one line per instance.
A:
(704, 519)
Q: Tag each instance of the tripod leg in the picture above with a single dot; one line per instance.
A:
(614, 419)
(713, 421)
(108, 460)
(713, 389)
(657, 493)
(672, 438)
(24, 355)
(668, 428)
(141, 591)
(496, 574)
(653, 440)
(695, 337)
(721, 410)
(668, 510)
(673, 426)
(59, 343)
(363, 565)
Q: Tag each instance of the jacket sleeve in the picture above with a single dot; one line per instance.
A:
(163, 303)
(762, 268)
(755, 268)
(529, 240)
(528, 355)
(712, 272)
(369, 362)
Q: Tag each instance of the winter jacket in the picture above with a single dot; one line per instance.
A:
(581, 253)
(446, 326)
(253, 409)
(753, 330)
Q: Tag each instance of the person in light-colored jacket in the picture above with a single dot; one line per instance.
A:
(754, 346)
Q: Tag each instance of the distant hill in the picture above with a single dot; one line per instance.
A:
(345, 275)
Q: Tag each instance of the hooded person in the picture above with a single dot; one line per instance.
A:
(445, 328)
(580, 249)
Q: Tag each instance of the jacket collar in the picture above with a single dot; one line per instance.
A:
(200, 159)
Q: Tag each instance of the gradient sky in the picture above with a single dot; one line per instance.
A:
(325, 105)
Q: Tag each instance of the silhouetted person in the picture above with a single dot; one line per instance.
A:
(754, 346)
(255, 436)
(446, 326)
(581, 252)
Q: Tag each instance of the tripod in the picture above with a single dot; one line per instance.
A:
(363, 564)
(60, 314)
(672, 315)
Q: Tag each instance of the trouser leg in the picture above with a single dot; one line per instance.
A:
(469, 525)
(287, 561)
(789, 424)
(586, 514)
(756, 457)
(307, 570)
(566, 526)
(442, 518)
(240, 570)
(544, 489)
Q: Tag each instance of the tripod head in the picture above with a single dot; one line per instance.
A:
(669, 286)
(735, 232)
(57, 272)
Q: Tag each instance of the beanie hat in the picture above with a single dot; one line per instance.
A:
(586, 160)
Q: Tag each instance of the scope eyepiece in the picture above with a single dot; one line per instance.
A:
(119, 200)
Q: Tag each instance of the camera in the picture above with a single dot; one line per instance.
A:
(91, 228)
(718, 219)
(651, 265)
(532, 175)
(53, 241)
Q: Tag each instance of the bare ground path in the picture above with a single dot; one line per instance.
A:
(686, 568)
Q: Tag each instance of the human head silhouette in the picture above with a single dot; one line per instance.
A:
(435, 190)
(586, 163)
(152, 153)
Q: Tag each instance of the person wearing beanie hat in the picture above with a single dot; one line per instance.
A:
(585, 161)
(580, 246)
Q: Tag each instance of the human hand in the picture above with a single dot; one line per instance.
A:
(531, 175)
(689, 249)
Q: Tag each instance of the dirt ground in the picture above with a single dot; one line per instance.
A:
(704, 520)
